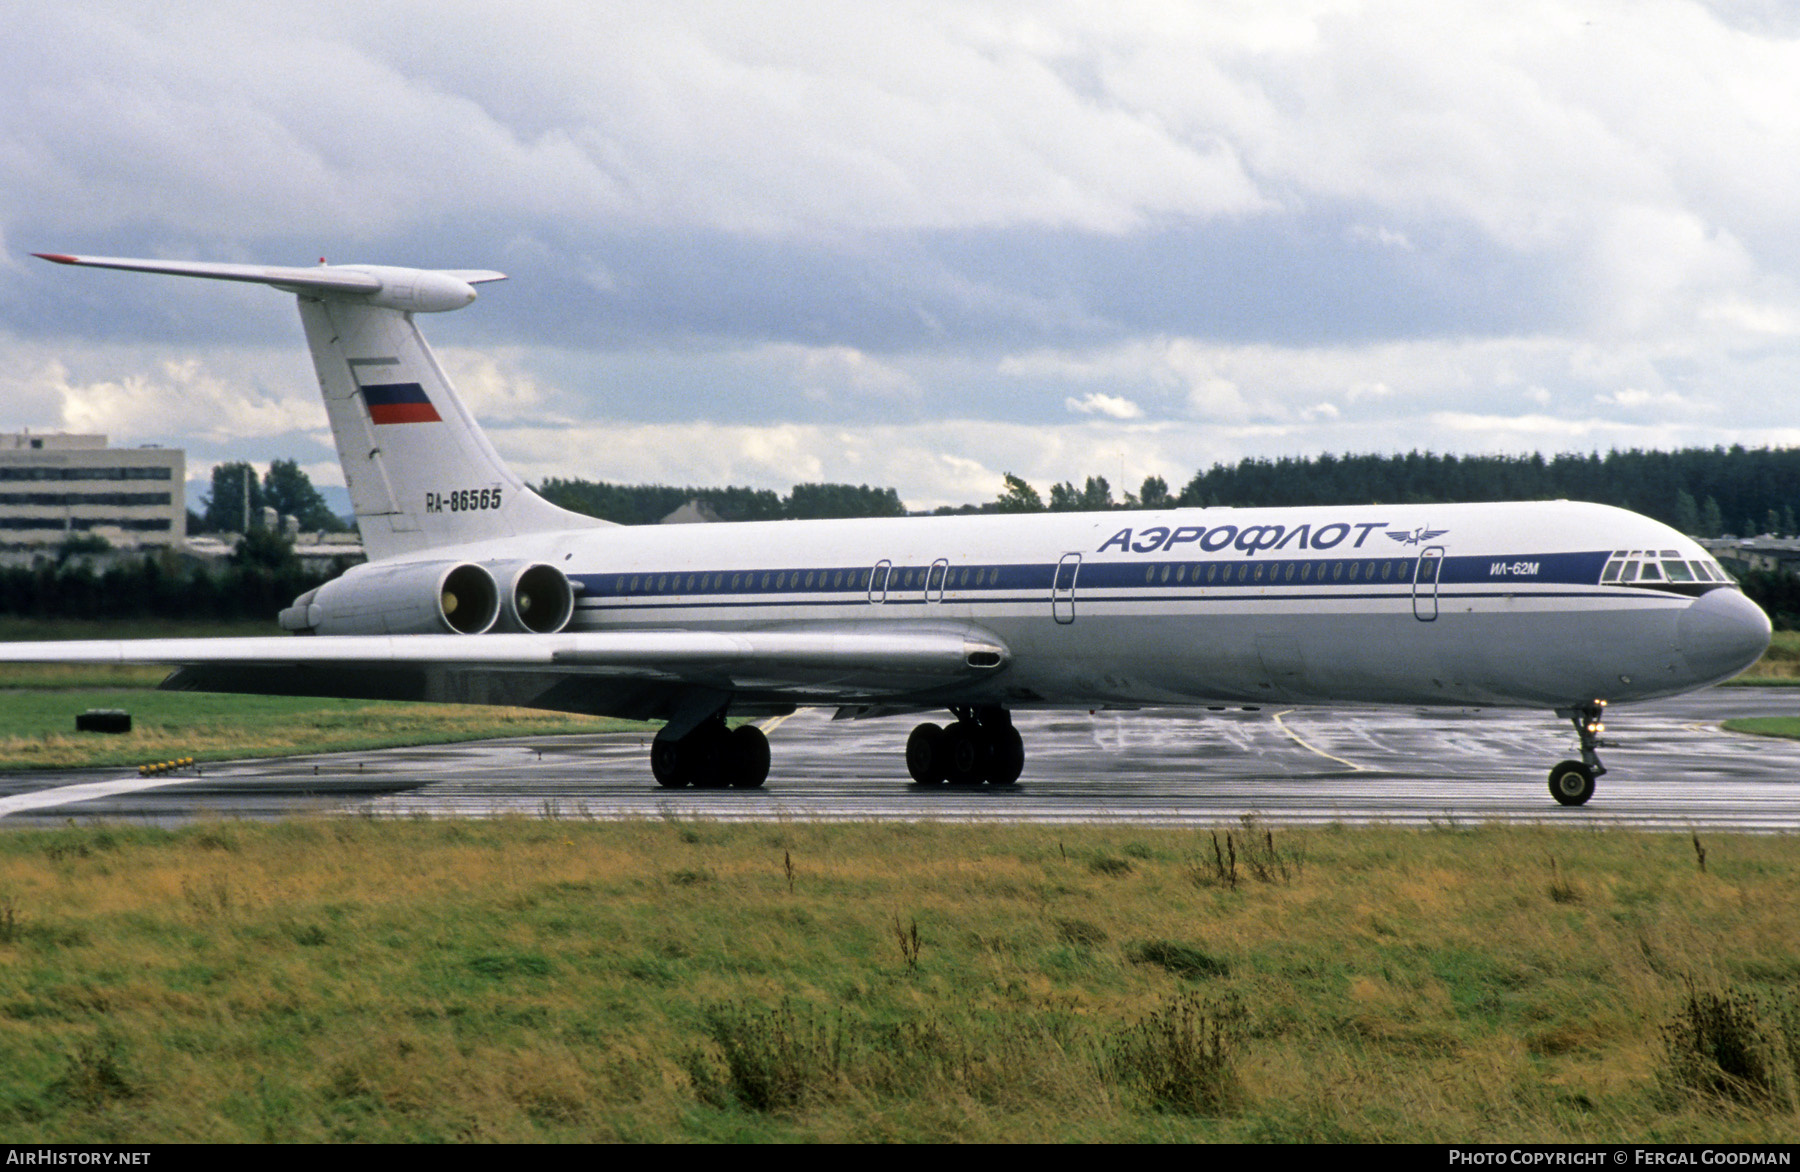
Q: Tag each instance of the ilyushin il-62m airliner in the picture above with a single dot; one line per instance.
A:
(480, 591)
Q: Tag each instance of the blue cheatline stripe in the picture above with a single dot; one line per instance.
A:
(1333, 577)
(655, 604)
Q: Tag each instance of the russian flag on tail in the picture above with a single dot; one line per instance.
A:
(399, 403)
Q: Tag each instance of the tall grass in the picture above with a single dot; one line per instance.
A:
(562, 980)
(1780, 663)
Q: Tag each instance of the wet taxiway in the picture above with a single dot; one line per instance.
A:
(1670, 767)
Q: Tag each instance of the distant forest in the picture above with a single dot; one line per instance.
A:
(646, 504)
(1705, 492)
(70, 582)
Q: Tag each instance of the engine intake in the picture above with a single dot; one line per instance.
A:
(539, 598)
(412, 598)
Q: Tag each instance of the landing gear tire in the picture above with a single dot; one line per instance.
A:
(982, 746)
(706, 756)
(665, 760)
(749, 757)
(1006, 756)
(965, 754)
(712, 756)
(1572, 783)
(924, 756)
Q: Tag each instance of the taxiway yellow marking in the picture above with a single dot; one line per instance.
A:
(1302, 742)
(773, 723)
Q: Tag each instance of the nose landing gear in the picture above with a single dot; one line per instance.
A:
(1572, 782)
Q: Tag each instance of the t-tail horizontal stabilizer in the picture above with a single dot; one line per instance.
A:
(409, 290)
(421, 473)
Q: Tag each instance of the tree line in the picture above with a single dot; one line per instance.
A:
(284, 487)
(1705, 492)
(646, 504)
(79, 581)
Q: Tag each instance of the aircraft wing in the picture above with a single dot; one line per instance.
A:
(643, 673)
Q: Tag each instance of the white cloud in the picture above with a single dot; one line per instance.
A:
(941, 462)
(1238, 382)
(1665, 403)
(1112, 406)
(1741, 315)
(1369, 390)
(1385, 237)
(1533, 123)
(186, 398)
(492, 384)
(826, 371)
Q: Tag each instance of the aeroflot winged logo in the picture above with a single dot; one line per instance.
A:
(399, 403)
(1418, 536)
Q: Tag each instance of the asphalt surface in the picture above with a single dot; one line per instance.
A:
(1670, 767)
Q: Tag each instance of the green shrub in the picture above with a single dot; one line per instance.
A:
(1183, 1057)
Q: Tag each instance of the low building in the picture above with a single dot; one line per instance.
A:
(320, 552)
(57, 486)
(1779, 554)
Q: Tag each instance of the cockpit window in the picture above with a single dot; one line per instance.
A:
(1661, 565)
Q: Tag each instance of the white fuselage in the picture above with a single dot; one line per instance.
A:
(1495, 604)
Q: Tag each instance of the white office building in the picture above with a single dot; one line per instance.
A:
(56, 486)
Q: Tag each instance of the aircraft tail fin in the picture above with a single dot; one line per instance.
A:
(421, 473)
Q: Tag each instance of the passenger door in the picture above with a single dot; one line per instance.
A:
(1425, 584)
(1062, 588)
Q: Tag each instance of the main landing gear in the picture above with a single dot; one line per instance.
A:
(712, 756)
(1572, 782)
(981, 746)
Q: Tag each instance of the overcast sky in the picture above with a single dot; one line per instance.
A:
(920, 244)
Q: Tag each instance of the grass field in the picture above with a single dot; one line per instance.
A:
(564, 980)
(1766, 726)
(1779, 664)
(37, 726)
(39, 703)
(545, 980)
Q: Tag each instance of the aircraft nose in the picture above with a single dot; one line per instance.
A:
(1722, 633)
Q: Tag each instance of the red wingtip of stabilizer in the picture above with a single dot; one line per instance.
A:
(61, 258)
